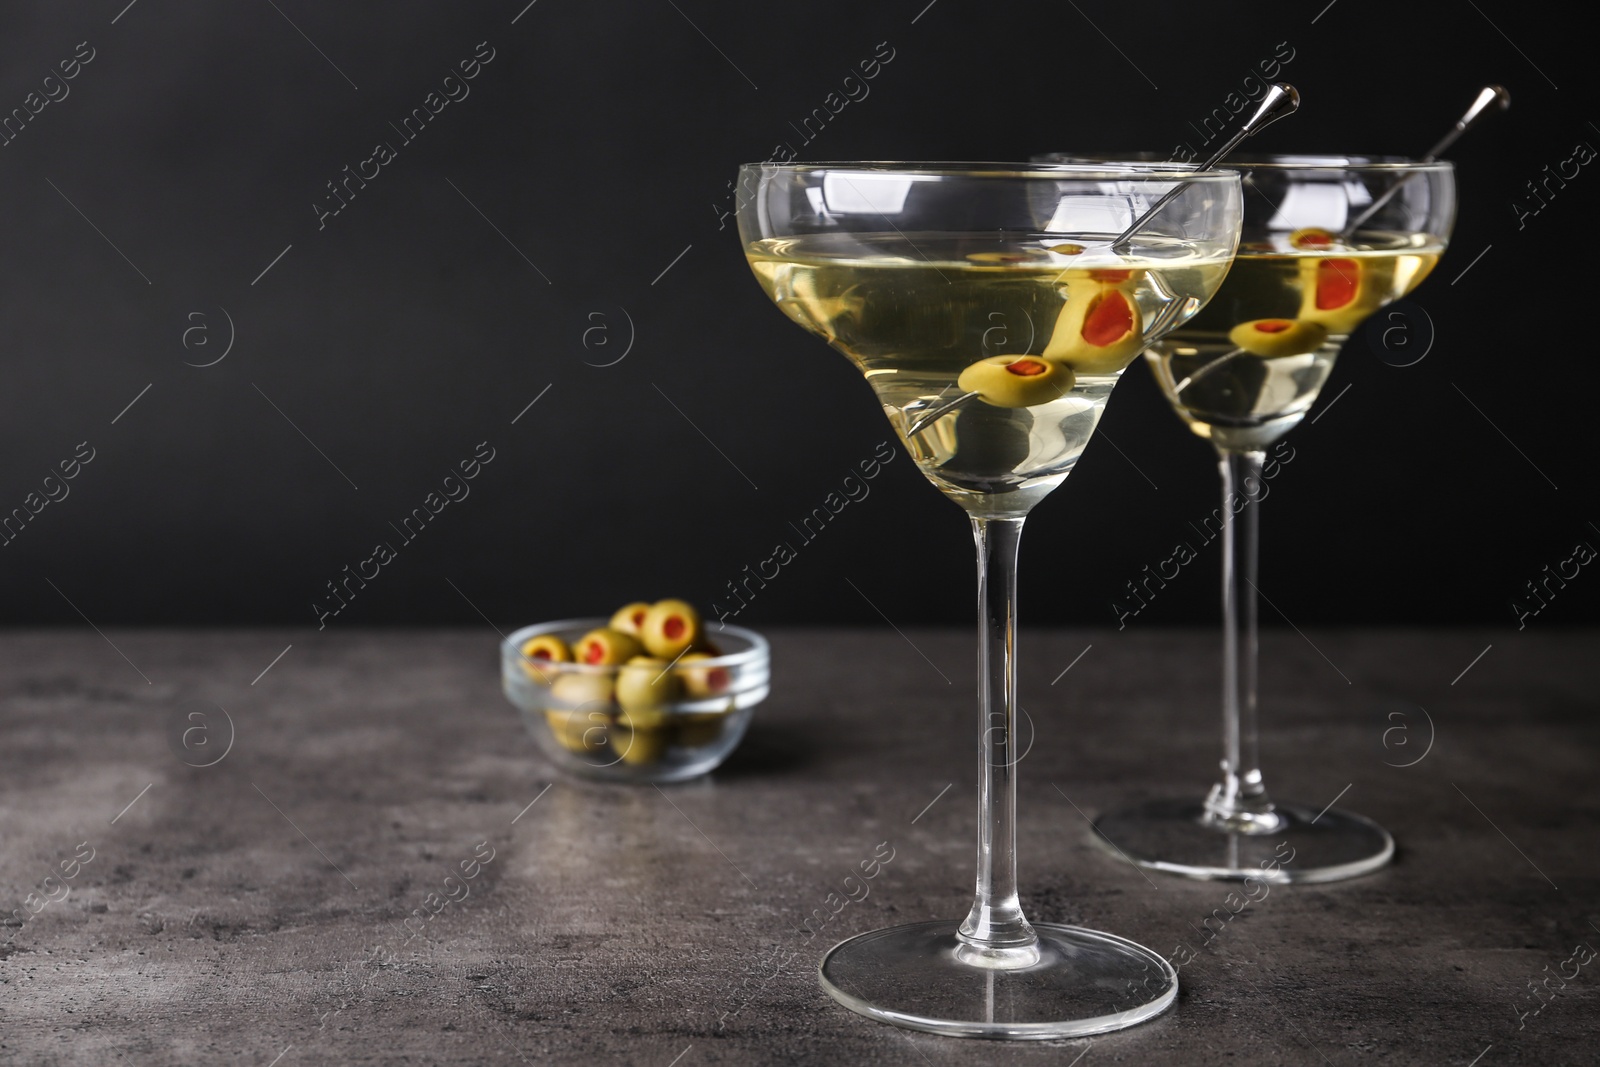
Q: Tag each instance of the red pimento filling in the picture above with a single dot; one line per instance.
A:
(673, 628)
(1337, 281)
(717, 680)
(1311, 238)
(1109, 319)
(593, 652)
(1114, 277)
(1274, 325)
(638, 618)
(1027, 368)
(542, 653)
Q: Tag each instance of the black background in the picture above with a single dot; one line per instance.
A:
(599, 142)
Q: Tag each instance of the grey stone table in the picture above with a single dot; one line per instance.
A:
(254, 911)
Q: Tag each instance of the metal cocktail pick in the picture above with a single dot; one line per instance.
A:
(1491, 98)
(1281, 100)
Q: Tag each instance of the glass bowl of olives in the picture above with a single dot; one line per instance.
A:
(644, 696)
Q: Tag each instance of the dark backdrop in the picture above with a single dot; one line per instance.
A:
(568, 211)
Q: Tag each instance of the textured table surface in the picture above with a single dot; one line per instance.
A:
(250, 912)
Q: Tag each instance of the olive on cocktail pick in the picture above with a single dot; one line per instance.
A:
(630, 617)
(670, 627)
(1016, 381)
(606, 647)
(1311, 239)
(1340, 292)
(1270, 338)
(1101, 329)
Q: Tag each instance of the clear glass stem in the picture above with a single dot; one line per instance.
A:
(1239, 802)
(995, 934)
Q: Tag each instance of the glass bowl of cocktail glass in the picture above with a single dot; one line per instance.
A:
(1327, 241)
(907, 268)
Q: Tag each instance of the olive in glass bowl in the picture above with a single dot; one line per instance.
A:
(625, 715)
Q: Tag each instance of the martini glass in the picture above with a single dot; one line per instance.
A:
(1327, 241)
(990, 313)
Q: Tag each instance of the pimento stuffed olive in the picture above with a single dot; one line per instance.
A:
(538, 651)
(1100, 331)
(1341, 291)
(606, 647)
(1016, 381)
(646, 682)
(669, 627)
(1312, 239)
(643, 687)
(1270, 338)
(630, 617)
(701, 682)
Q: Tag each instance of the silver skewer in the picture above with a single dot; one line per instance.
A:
(1491, 98)
(1203, 371)
(1281, 100)
(926, 418)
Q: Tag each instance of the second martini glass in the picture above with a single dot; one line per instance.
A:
(1328, 240)
(992, 309)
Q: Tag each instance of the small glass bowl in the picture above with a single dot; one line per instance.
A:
(570, 709)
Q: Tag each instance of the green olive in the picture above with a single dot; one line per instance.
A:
(1100, 331)
(1270, 338)
(1340, 292)
(669, 627)
(538, 651)
(640, 746)
(1016, 381)
(578, 730)
(606, 647)
(1312, 238)
(647, 683)
(630, 617)
(573, 689)
(580, 711)
(701, 682)
(1124, 278)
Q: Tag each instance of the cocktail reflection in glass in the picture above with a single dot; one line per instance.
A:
(1327, 242)
(908, 269)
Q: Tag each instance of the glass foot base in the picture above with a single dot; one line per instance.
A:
(1173, 836)
(1084, 982)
